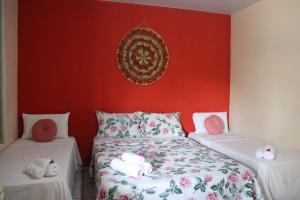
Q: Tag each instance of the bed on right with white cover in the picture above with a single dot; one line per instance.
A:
(279, 178)
(277, 168)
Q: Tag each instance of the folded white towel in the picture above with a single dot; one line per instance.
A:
(129, 169)
(34, 170)
(53, 169)
(260, 153)
(147, 168)
(42, 163)
(269, 153)
(133, 158)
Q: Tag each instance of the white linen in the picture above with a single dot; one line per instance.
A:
(18, 185)
(129, 169)
(279, 178)
(61, 121)
(132, 158)
(260, 153)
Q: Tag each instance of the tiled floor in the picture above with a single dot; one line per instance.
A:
(84, 187)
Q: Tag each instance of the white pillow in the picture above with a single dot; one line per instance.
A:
(199, 118)
(61, 121)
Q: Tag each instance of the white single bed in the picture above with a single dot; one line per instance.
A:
(279, 178)
(18, 185)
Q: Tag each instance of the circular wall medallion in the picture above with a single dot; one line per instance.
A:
(142, 56)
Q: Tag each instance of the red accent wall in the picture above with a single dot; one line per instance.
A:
(67, 62)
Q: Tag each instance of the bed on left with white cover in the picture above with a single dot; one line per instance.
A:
(18, 185)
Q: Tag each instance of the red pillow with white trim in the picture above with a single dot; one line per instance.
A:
(214, 125)
(44, 130)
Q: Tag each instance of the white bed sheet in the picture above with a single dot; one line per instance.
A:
(18, 185)
(280, 178)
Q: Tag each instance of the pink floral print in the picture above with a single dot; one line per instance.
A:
(185, 182)
(195, 171)
(165, 131)
(161, 125)
(238, 197)
(135, 117)
(212, 196)
(123, 128)
(173, 175)
(124, 197)
(104, 173)
(100, 122)
(102, 194)
(207, 178)
(152, 124)
(118, 124)
(247, 175)
(170, 168)
(113, 129)
(142, 127)
(169, 116)
(168, 176)
(233, 178)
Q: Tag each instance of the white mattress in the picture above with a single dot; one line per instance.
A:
(18, 185)
(280, 178)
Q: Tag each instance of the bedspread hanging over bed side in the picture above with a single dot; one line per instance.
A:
(18, 185)
(279, 178)
(183, 169)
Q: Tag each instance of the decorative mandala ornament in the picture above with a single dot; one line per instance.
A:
(142, 56)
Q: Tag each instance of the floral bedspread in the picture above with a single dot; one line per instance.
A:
(183, 169)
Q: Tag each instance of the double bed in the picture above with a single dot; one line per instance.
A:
(18, 185)
(182, 169)
(279, 178)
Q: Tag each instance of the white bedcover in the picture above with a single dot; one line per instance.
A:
(18, 185)
(279, 178)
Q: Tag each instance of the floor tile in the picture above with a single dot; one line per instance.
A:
(84, 188)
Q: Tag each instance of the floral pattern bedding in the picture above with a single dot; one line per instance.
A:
(160, 125)
(183, 169)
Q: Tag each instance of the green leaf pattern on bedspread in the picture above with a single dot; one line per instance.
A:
(160, 125)
(183, 169)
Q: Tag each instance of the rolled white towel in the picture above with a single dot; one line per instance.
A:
(260, 153)
(34, 170)
(53, 169)
(42, 163)
(269, 153)
(133, 158)
(129, 169)
(147, 168)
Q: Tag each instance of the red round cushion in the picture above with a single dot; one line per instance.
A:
(214, 125)
(44, 130)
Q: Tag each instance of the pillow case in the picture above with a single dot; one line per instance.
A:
(118, 124)
(61, 121)
(199, 119)
(44, 130)
(160, 125)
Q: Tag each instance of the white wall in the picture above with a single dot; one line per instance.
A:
(10, 8)
(265, 72)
